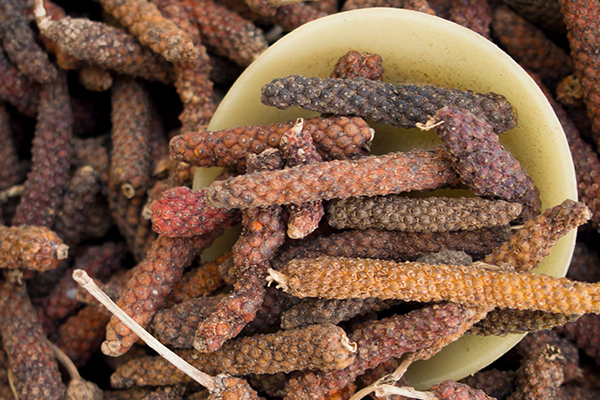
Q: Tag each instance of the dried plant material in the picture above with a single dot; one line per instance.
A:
(199, 281)
(183, 212)
(358, 65)
(291, 16)
(144, 20)
(585, 333)
(483, 164)
(16, 89)
(411, 281)
(502, 322)
(413, 170)
(9, 159)
(104, 46)
(31, 247)
(433, 214)
(24, 341)
(51, 157)
(529, 46)
(542, 13)
(95, 78)
(19, 43)
(584, 264)
(334, 137)
(538, 236)
(539, 375)
(401, 105)
(415, 5)
(472, 14)
(494, 382)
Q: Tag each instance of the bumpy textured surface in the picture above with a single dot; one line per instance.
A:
(231, 388)
(415, 5)
(585, 332)
(494, 382)
(145, 21)
(483, 163)
(154, 278)
(368, 176)
(335, 138)
(30, 247)
(379, 341)
(530, 244)
(585, 264)
(19, 43)
(582, 18)
(51, 157)
(413, 281)
(447, 257)
(506, 322)
(35, 372)
(358, 65)
(226, 33)
(543, 13)
(107, 47)
(16, 89)
(473, 14)
(322, 347)
(433, 214)
(451, 390)
(318, 311)
(92, 152)
(80, 195)
(402, 105)
(130, 155)
(95, 78)
(183, 212)
(529, 46)
(399, 246)
(200, 281)
(539, 375)
(292, 16)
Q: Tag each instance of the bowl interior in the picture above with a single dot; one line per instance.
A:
(418, 48)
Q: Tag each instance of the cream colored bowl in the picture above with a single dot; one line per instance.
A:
(419, 48)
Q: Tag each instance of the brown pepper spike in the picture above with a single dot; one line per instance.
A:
(16, 89)
(51, 157)
(226, 33)
(19, 43)
(154, 278)
(529, 46)
(582, 19)
(334, 137)
(483, 163)
(232, 388)
(200, 281)
(539, 375)
(35, 372)
(413, 281)
(291, 16)
(507, 322)
(9, 159)
(542, 13)
(358, 65)
(104, 46)
(80, 195)
(399, 246)
(415, 5)
(534, 241)
(298, 149)
(368, 176)
(95, 78)
(401, 105)
(494, 382)
(144, 20)
(432, 214)
(473, 14)
(585, 333)
(323, 347)
(451, 390)
(130, 116)
(183, 212)
(584, 264)
(378, 341)
(30, 247)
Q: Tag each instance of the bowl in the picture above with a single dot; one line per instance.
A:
(422, 49)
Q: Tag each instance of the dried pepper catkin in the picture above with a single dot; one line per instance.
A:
(144, 20)
(535, 239)
(107, 47)
(539, 375)
(51, 157)
(340, 278)
(16, 89)
(9, 159)
(581, 18)
(378, 341)
(483, 163)
(226, 33)
(200, 281)
(154, 278)
(585, 333)
(358, 65)
(368, 176)
(584, 264)
(130, 116)
(35, 372)
(19, 43)
(401, 105)
(335, 138)
(30, 247)
(473, 14)
(431, 214)
(502, 322)
(322, 347)
(415, 5)
(451, 390)
(494, 382)
(95, 78)
(183, 212)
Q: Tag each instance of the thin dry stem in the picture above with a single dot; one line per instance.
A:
(385, 381)
(407, 391)
(279, 278)
(82, 278)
